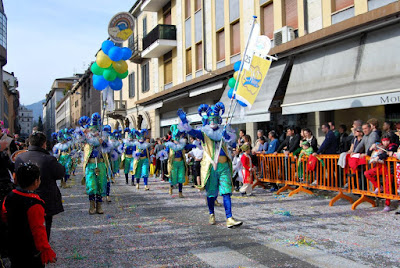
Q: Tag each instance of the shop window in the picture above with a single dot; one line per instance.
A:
(268, 20)
(188, 61)
(235, 40)
(341, 4)
(199, 56)
(291, 18)
(221, 45)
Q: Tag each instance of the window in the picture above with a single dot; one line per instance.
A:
(144, 26)
(188, 61)
(341, 4)
(167, 13)
(197, 5)
(199, 56)
(291, 13)
(132, 85)
(145, 78)
(235, 35)
(268, 20)
(187, 9)
(168, 68)
(221, 45)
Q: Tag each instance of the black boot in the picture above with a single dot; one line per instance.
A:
(126, 178)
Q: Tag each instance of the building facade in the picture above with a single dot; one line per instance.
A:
(63, 113)
(3, 59)
(10, 102)
(25, 118)
(59, 89)
(84, 99)
(335, 58)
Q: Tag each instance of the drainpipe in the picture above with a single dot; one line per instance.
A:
(305, 10)
(204, 39)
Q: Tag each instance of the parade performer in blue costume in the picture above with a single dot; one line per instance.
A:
(63, 150)
(127, 157)
(110, 175)
(96, 165)
(141, 162)
(214, 177)
(177, 167)
(116, 151)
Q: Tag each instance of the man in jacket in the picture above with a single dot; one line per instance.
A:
(370, 138)
(330, 144)
(50, 171)
(291, 143)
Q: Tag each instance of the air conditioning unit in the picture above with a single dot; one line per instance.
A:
(283, 35)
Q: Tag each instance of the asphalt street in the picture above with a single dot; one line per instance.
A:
(153, 229)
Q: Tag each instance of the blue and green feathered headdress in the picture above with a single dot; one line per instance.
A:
(141, 134)
(215, 111)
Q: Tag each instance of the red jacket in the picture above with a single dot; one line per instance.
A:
(247, 164)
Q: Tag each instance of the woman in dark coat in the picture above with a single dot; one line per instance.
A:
(50, 172)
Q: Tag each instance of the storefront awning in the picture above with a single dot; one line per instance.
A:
(259, 111)
(358, 72)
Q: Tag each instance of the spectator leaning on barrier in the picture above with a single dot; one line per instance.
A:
(375, 126)
(263, 145)
(50, 172)
(291, 143)
(330, 144)
(357, 138)
(370, 137)
(273, 142)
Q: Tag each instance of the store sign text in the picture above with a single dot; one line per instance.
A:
(388, 100)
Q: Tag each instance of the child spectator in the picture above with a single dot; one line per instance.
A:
(306, 150)
(23, 211)
(247, 170)
(380, 153)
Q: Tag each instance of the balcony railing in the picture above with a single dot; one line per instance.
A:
(135, 44)
(161, 31)
(120, 105)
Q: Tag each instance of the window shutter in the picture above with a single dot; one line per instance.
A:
(235, 38)
(291, 13)
(340, 4)
(221, 45)
(268, 20)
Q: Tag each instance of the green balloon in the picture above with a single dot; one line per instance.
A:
(96, 69)
(109, 74)
(123, 75)
(232, 82)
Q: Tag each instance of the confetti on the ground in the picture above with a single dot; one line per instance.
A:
(76, 256)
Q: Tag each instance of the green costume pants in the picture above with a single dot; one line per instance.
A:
(66, 161)
(116, 164)
(127, 166)
(220, 180)
(142, 169)
(178, 173)
(96, 185)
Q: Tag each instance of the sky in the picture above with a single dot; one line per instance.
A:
(49, 39)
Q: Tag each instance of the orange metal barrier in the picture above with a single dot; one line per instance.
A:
(386, 180)
(291, 171)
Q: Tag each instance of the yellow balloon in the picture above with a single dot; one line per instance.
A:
(235, 75)
(102, 60)
(120, 66)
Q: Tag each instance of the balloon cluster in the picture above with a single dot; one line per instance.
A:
(110, 66)
(232, 83)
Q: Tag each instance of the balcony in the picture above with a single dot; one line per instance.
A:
(153, 5)
(135, 44)
(119, 111)
(159, 41)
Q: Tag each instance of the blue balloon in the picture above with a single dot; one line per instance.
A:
(99, 82)
(242, 103)
(126, 53)
(116, 84)
(230, 93)
(106, 46)
(236, 66)
(115, 53)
